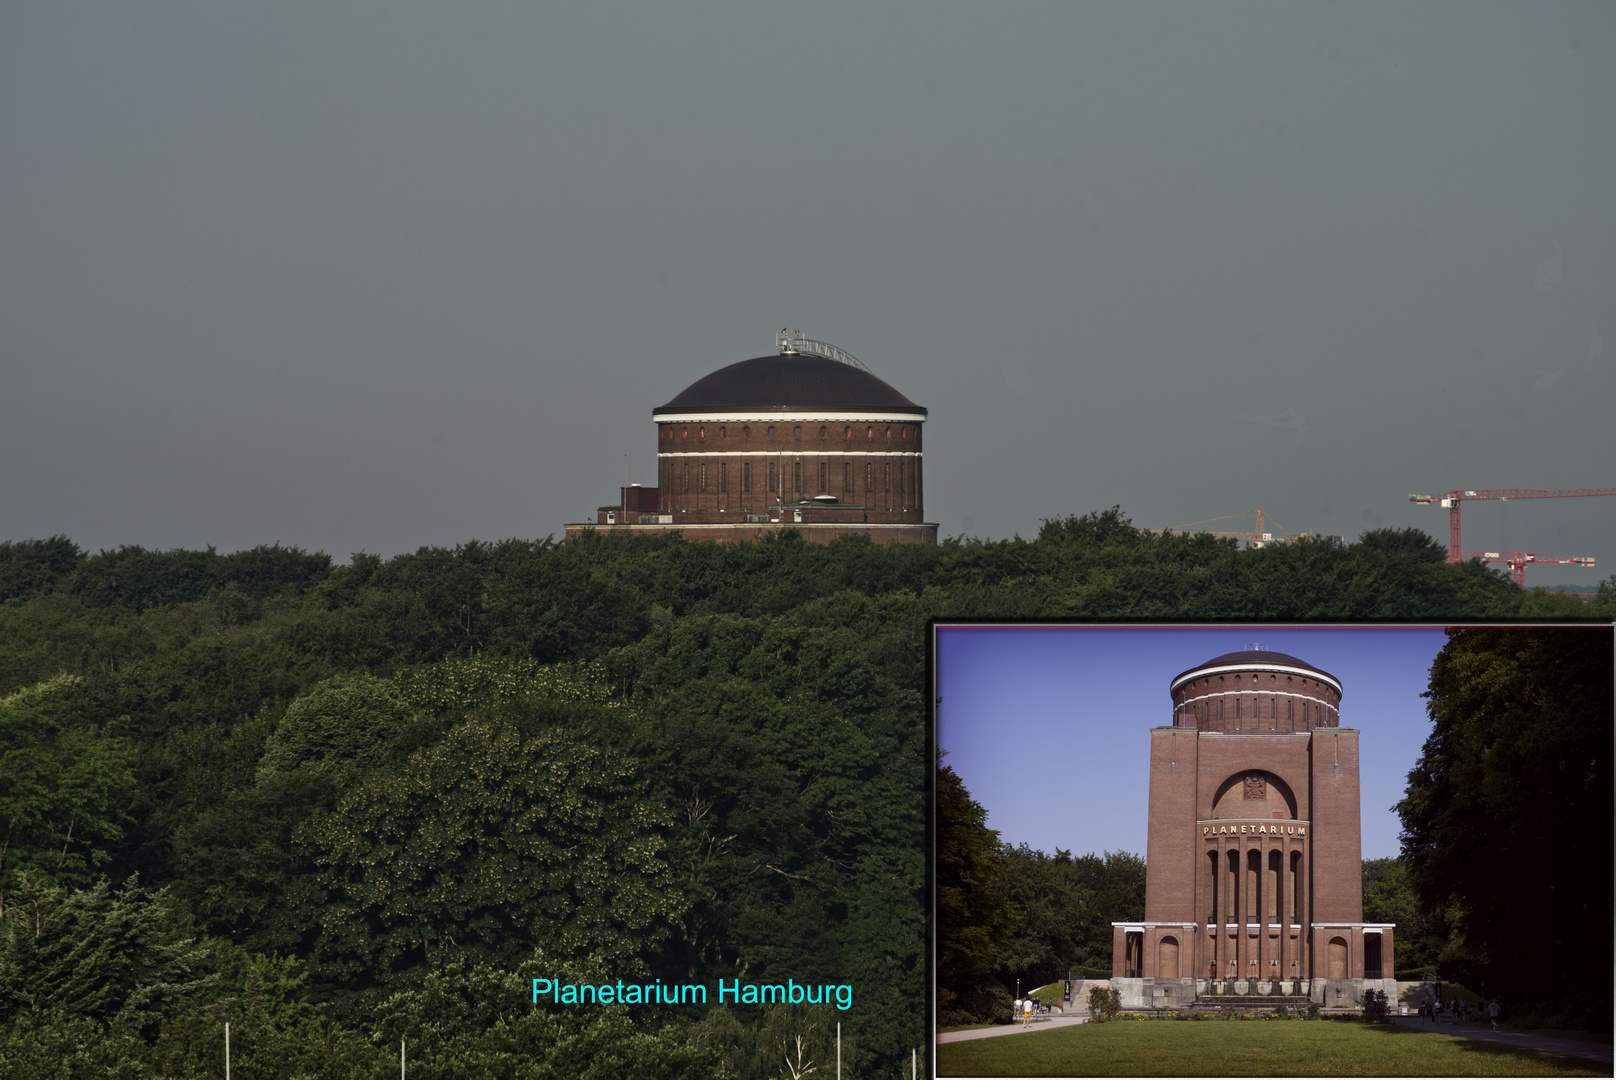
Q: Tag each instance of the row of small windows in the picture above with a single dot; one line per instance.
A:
(796, 431)
(1311, 711)
(722, 476)
(1207, 683)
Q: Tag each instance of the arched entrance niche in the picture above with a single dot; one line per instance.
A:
(1167, 958)
(1338, 958)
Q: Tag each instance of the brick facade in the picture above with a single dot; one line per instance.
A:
(1253, 860)
(708, 473)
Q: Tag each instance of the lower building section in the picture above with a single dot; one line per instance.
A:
(819, 532)
(1257, 950)
(1330, 995)
(643, 510)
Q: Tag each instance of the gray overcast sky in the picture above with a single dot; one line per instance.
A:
(370, 276)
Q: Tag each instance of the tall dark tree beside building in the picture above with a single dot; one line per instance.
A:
(974, 918)
(1507, 816)
(1065, 908)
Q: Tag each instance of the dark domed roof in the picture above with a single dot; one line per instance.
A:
(1256, 657)
(789, 383)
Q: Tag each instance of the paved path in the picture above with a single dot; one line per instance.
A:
(1043, 1023)
(1594, 1053)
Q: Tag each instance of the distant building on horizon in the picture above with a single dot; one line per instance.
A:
(805, 439)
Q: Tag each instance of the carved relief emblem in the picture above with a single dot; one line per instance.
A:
(1256, 786)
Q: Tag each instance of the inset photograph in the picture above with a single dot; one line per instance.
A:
(1152, 838)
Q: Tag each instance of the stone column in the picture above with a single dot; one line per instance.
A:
(1242, 879)
(1206, 892)
(1287, 899)
(1260, 953)
(1220, 949)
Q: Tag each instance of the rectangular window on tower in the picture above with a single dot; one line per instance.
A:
(746, 476)
(823, 466)
(723, 476)
(796, 477)
(771, 476)
(704, 477)
(869, 477)
(847, 476)
(687, 477)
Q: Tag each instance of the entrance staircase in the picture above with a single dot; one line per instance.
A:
(1250, 1002)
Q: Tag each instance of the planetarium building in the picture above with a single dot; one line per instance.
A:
(1253, 873)
(806, 438)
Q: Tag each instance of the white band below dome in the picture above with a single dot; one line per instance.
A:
(1286, 669)
(789, 453)
(789, 418)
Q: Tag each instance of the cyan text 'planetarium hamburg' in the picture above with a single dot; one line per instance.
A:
(1253, 875)
(804, 439)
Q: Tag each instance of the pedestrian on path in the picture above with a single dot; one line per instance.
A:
(1492, 1010)
(1015, 1014)
(1026, 1016)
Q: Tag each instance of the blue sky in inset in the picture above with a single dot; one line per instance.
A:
(1049, 726)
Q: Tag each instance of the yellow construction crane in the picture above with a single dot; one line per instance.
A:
(1256, 537)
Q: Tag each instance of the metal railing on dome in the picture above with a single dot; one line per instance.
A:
(792, 343)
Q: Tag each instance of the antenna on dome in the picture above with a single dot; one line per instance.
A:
(1257, 646)
(792, 343)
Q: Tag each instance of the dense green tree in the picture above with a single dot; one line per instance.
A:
(1115, 885)
(340, 730)
(799, 776)
(59, 1046)
(489, 842)
(1066, 907)
(124, 957)
(1424, 935)
(479, 1022)
(62, 791)
(1506, 819)
(31, 567)
(275, 1030)
(788, 1041)
(135, 579)
(974, 916)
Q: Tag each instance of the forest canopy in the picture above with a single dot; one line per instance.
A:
(325, 801)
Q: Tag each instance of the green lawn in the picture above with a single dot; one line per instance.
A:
(1251, 1048)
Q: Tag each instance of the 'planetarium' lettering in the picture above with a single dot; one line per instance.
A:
(1253, 830)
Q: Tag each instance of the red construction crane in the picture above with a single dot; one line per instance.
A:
(1452, 499)
(1517, 561)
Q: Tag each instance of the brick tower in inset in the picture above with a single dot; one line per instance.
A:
(1253, 876)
